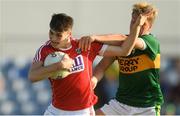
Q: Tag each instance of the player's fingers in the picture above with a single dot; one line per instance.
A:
(93, 85)
(82, 44)
(148, 12)
(86, 44)
(81, 41)
(66, 57)
(89, 44)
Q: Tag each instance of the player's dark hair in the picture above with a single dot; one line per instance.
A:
(61, 22)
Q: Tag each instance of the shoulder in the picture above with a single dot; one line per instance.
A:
(96, 43)
(150, 39)
(44, 46)
(153, 46)
(74, 41)
(42, 51)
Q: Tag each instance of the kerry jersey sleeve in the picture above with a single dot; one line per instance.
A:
(153, 47)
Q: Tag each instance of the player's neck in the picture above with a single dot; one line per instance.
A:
(145, 33)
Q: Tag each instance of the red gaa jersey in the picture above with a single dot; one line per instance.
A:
(73, 92)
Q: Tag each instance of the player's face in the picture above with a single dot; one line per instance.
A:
(145, 28)
(59, 38)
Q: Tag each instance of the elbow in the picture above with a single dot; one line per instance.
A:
(126, 53)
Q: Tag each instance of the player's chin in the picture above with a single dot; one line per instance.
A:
(55, 45)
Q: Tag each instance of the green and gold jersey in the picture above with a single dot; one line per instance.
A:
(139, 76)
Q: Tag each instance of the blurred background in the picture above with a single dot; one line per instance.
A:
(24, 26)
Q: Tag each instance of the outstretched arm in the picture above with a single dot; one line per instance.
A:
(109, 39)
(100, 69)
(120, 43)
(127, 46)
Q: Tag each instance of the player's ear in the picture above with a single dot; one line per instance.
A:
(70, 31)
(150, 25)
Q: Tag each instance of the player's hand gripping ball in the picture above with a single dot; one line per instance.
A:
(54, 58)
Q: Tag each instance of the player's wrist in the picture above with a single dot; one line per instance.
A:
(140, 25)
(59, 66)
(135, 27)
(93, 38)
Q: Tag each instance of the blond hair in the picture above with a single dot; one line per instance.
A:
(144, 7)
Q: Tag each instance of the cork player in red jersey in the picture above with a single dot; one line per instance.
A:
(73, 95)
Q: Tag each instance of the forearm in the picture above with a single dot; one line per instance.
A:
(127, 46)
(98, 73)
(102, 67)
(130, 42)
(110, 39)
(41, 73)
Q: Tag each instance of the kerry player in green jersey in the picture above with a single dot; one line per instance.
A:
(139, 90)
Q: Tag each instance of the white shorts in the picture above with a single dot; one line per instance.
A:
(116, 108)
(51, 110)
